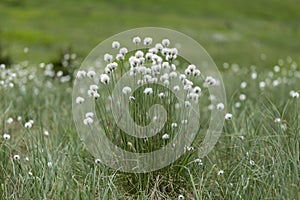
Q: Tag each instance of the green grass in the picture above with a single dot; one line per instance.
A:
(260, 157)
(249, 28)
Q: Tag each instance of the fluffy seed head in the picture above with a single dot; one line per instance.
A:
(6, 136)
(115, 45)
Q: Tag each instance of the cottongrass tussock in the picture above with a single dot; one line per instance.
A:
(156, 75)
(155, 70)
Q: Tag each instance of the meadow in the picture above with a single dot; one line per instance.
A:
(256, 49)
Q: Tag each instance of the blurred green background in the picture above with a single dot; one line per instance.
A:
(236, 31)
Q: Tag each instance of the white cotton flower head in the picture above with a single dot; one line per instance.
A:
(159, 47)
(184, 121)
(88, 121)
(262, 85)
(242, 97)
(80, 74)
(174, 52)
(108, 57)
(277, 120)
(115, 45)
(147, 71)
(11, 85)
(28, 124)
(107, 70)
(148, 41)
(237, 104)
(180, 197)
(139, 54)
(187, 82)
(220, 172)
(50, 164)
(161, 95)
(131, 98)
(196, 72)
(193, 96)
(94, 87)
(59, 73)
(210, 81)
(187, 72)
(93, 93)
(275, 83)
(165, 136)
(134, 62)
(19, 118)
(243, 84)
(165, 42)
(176, 88)
(276, 68)
(6, 136)
(294, 94)
(120, 57)
(91, 74)
(136, 40)
(173, 67)
(79, 100)
(148, 91)
(140, 82)
(156, 59)
(9, 120)
(252, 163)
(97, 161)
(198, 161)
(164, 77)
(173, 75)
(182, 77)
(228, 116)
(2, 66)
(16, 157)
(220, 106)
(42, 65)
(253, 75)
(114, 65)
(165, 65)
(187, 104)
(188, 148)
(126, 90)
(166, 83)
(197, 90)
(153, 51)
(46, 133)
(89, 114)
(123, 51)
(148, 56)
(147, 78)
(165, 51)
(174, 125)
(191, 67)
(241, 137)
(283, 127)
(104, 78)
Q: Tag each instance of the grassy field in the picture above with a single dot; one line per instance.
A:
(254, 44)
